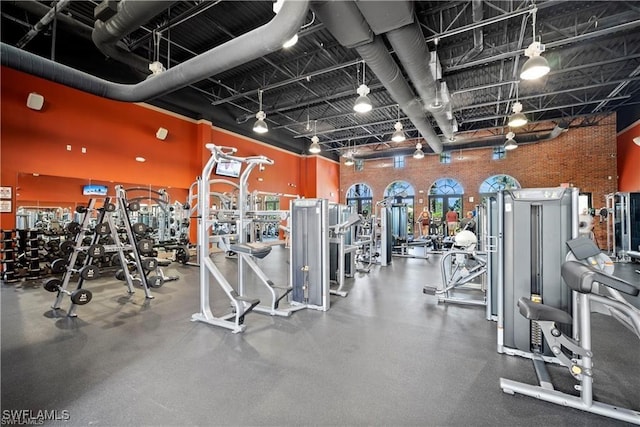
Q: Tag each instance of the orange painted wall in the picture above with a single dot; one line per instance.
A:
(327, 180)
(114, 133)
(629, 159)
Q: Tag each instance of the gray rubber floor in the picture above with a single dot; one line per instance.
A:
(385, 355)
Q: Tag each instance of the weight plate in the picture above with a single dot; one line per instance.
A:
(59, 266)
(139, 228)
(67, 246)
(89, 272)
(73, 227)
(155, 281)
(149, 264)
(134, 206)
(52, 284)
(81, 296)
(103, 229)
(109, 207)
(145, 246)
(96, 251)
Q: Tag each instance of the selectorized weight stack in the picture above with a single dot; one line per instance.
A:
(536, 224)
(309, 254)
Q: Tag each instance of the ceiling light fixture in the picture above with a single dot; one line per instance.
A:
(363, 104)
(348, 155)
(636, 140)
(314, 148)
(518, 118)
(418, 154)
(536, 66)
(436, 105)
(398, 135)
(349, 160)
(260, 126)
(511, 143)
(292, 41)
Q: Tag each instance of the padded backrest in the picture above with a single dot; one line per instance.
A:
(580, 278)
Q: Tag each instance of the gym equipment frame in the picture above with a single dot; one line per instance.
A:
(595, 291)
(241, 305)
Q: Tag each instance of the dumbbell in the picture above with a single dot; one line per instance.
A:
(79, 296)
(109, 207)
(88, 272)
(120, 275)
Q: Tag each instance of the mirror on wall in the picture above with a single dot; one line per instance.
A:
(49, 203)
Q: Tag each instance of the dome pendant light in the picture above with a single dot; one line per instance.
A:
(314, 148)
(260, 126)
(363, 104)
(418, 154)
(536, 66)
(398, 135)
(436, 105)
(517, 119)
(511, 143)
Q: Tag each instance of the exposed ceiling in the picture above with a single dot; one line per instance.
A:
(593, 48)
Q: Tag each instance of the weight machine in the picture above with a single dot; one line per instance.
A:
(596, 291)
(623, 225)
(459, 268)
(248, 252)
(342, 220)
(309, 253)
(241, 305)
(535, 225)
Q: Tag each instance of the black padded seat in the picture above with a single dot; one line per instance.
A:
(258, 252)
(537, 311)
(580, 278)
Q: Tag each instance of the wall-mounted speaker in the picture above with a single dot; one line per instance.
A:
(35, 101)
(162, 133)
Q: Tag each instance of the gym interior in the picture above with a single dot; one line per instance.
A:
(228, 241)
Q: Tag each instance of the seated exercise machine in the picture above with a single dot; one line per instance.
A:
(241, 305)
(249, 252)
(459, 267)
(595, 291)
(342, 248)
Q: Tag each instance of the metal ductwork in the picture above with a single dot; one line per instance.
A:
(347, 24)
(247, 47)
(522, 139)
(131, 15)
(408, 42)
(49, 16)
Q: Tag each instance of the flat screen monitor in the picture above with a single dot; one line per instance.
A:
(94, 190)
(228, 168)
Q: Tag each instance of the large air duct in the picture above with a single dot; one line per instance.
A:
(242, 49)
(408, 42)
(347, 24)
(522, 139)
(131, 15)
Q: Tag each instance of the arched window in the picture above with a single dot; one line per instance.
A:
(444, 194)
(496, 183)
(402, 197)
(361, 197)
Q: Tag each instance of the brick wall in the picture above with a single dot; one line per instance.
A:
(584, 157)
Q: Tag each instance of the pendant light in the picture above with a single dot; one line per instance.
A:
(436, 105)
(536, 66)
(511, 143)
(314, 148)
(517, 119)
(398, 135)
(363, 104)
(260, 126)
(418, 154)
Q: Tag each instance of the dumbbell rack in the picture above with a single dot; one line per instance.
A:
(104, 218)
(8, 251)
